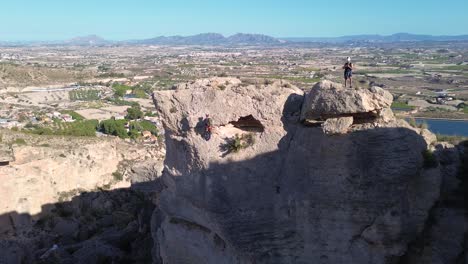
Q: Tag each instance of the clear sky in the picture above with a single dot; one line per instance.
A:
(131, 19)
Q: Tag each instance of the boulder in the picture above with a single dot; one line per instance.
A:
(327, 99)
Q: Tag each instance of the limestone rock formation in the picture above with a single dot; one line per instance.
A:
(351, 185)
(327, 99)
(293, 194)
(54, 169)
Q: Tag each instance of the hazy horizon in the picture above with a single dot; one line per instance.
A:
(51, 20)
(225, 35)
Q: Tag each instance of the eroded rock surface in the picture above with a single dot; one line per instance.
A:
(327, 100)
(297, 195)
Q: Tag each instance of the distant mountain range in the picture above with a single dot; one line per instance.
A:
(200, 39)
(399, 37)
(240, 39)
(210, 39)
(91, 40)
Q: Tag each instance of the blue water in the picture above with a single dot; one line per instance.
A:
(446, 127)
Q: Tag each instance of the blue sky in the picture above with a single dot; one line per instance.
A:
(131, 19)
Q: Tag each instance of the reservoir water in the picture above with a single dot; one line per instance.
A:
(446, 127)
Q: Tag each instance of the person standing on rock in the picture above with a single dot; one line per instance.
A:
(348, 73)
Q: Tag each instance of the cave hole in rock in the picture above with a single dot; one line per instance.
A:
(248, 124)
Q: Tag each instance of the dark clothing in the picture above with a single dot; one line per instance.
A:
(348, 73)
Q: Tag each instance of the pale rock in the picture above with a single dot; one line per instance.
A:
(296, 195)
(327, 99)
(337, 125)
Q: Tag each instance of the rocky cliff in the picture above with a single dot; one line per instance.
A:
(76, 200)
(326, 176)
(329, 176)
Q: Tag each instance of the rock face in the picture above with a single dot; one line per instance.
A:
(337, 125)
(294, 194)
(55, 169)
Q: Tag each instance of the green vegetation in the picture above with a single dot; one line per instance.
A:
(430, 161)
(84, 95)
(120, 89)
(164, 83)
(82, 128)
(389, 71)
(398, 105)
(451, 139)
(150, 114)
(118, 128)
(114, 127)
(19, 141)
(73, 114)
(456, 68)
(134, 112)
(139, 91)
(119, 101)
(111, 75)
(465, 110)
(237, 143)
(144, 125)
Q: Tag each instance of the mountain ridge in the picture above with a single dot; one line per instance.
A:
(241, 39)
(397, 37)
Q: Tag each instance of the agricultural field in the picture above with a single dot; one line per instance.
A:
(84, 95)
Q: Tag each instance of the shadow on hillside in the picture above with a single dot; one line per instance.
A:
(94, 227)
(260, 205)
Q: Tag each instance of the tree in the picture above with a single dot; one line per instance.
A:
(134, 112)
(114, 127)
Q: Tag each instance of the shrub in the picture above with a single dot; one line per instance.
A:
(114, 127)
(19, 141)
(134, 112)
(144, 126)
(173, 110)
(120, 90)
(238, 143)
(430, 161)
